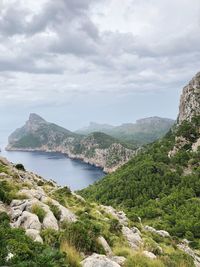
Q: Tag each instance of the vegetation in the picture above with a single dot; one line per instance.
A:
(16, 249)
(39, 211)
(157, 188)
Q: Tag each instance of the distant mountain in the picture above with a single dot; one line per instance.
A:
(142, 132)
(98, 149)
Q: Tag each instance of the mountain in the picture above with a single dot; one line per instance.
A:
(43, 224)
(161, 185)
(98, 149)
(142, 132)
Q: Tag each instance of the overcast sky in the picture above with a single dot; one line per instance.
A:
(112, 61)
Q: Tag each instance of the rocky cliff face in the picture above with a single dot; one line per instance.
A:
(190, 100)
(97, 149)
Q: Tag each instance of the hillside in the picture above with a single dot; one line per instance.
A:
(161, 185)
(98, 149)
(42, 224)
(142, 132)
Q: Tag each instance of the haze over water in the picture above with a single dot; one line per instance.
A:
(65, 171)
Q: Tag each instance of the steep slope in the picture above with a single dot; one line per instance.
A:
(142, 132)
(161, 184)
(98, 149)
(42, 224)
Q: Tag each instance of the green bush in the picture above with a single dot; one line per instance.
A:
(39, 211)
(55, 209)
(83, 236)
(26, 252)
(20, 167)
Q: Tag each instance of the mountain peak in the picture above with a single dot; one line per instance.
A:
(35, 118)
(190, 100)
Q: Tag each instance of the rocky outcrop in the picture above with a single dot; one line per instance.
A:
(158, 232)
(119, 215)
(184, 246)
(133, 237)
(190, 100)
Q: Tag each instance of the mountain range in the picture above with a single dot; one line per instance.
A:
(94, 147)
(142, 132)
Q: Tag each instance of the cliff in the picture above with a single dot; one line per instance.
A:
(98, 149)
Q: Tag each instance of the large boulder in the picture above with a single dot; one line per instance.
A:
(96, 260)
(133, 237)
(28, 221)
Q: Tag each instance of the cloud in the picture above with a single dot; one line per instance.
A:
(98, 46)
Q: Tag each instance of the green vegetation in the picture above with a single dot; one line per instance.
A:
(39, 211)
(23, 251)
(157, 188)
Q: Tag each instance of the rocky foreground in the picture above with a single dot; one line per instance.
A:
(39, 207)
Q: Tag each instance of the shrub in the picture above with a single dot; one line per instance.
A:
(20, 167)
(39, 211)
(55, 209)
(82, 235)
(51, 237)
(115, 226)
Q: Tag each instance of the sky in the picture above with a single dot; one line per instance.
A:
(108, 61)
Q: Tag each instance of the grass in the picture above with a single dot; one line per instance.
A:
(39, 211)
(73, 257)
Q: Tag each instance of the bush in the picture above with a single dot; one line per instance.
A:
(115, 226)
(82, 235)
(36, 209)
(51, 237)
(20, 167)
(55, 209)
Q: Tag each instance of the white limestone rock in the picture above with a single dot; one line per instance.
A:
(133, 237)
(96, 260)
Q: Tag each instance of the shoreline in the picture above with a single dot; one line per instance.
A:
(72, 157)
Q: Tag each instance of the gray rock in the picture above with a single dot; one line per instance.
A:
(159, 232)
(34, 234)
(66, 214)
(149, 255)
(96, 260)
(105, 246)
(28, 221)
(133, 237)
(119, 215)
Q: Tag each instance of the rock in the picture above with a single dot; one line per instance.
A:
(28, 221)
(184, 247)
(149, 255)
(34, 234)
(34, 193)
(4, 161)
(104, 244)
(159, 232)
(96, 260)
(50, 221)
(66, 214)
(196, 145)
(118, 259)
(119, 215)
(133, 237)
(190, 100)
